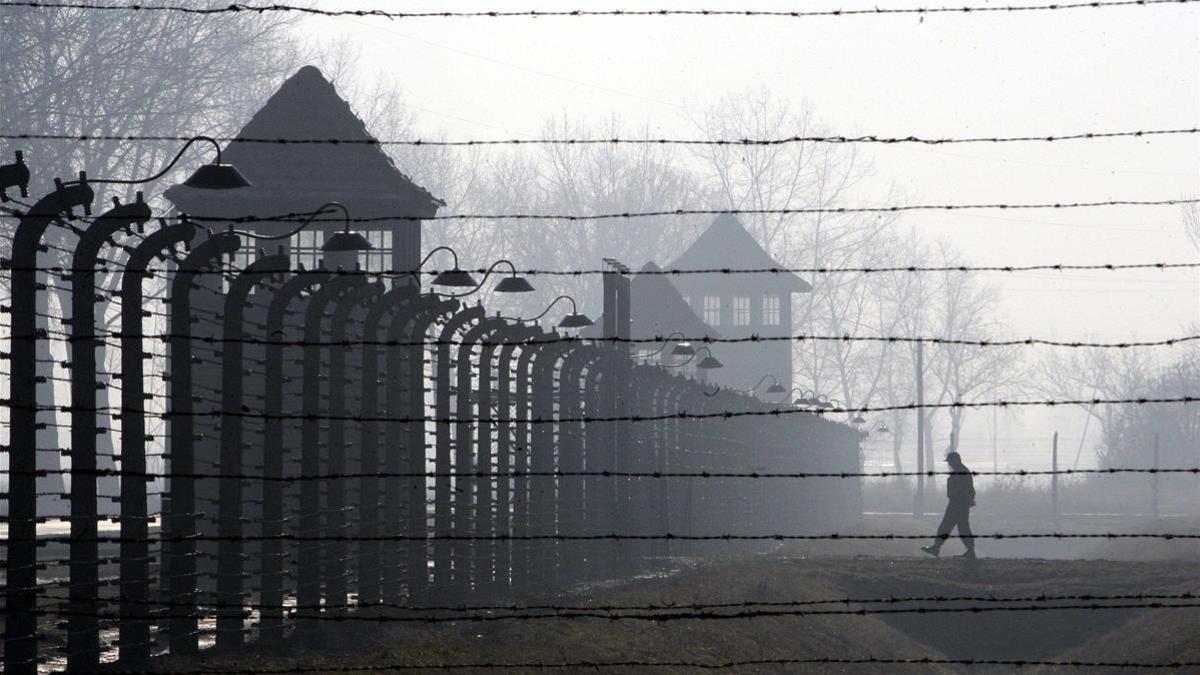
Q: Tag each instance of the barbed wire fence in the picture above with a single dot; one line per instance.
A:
(492, 456)
(351, 410)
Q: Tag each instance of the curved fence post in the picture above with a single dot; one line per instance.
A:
(490, 432)
(473, 405)
(20, 593)
(134, 631)
(230, 587)
(273, 514)
(83, 629)
(309, 561)
(338, 567)
(446, 577)
(180, 521)
(369, 562)
(404, 499)
(505, 482)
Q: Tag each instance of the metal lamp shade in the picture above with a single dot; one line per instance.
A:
(709, 363)
(575, 321)
(513, 285)
(775, 389)
(455, 277)
(217, 177)
(683, 349)
(857, 419)
(346, 241)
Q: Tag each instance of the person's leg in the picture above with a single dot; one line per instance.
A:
(964, 530)
(943, 533)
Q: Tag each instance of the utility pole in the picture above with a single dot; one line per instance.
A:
(1054, 477)
(995, 431)
(919, 502)
(1154, 477)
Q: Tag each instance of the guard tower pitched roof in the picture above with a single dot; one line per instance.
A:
(727, 245)
(298, 177)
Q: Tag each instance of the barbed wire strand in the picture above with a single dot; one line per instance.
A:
(617, 536)
(433, 271)
(1195, 470)
(682, 415)
(303, 217)
(419, 142)
(498, 14)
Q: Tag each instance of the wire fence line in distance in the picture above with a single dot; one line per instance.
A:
(617, 536)
(114, 266)
(236, 8)
(659, 339)
(299, 217)
(661, 475)
(418, 142)
(682, 415)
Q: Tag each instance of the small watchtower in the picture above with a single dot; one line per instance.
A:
(740, 305)
(299, 177)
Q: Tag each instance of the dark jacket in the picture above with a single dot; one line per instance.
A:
(960, 488)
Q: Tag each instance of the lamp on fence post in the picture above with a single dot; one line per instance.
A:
(510, 284)
(20, 654)
(572, 320)
(709, 362)
(774, 388)
(681, 347)
(455, 276)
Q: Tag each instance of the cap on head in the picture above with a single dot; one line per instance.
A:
(953, 458)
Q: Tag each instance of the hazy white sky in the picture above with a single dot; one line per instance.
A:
(945, 75)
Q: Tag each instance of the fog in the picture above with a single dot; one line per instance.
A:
(487, 328)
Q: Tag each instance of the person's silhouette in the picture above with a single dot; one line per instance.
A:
(960, 490)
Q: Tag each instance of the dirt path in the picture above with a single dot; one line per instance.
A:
(779, 577)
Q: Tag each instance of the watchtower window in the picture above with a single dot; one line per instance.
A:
(770, 310)
(741, 310)
(306, 250)
(712, 310)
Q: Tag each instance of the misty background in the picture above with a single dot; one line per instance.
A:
(931, 76)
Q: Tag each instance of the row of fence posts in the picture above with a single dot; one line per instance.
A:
(327, 374)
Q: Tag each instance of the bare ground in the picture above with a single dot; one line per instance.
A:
(1152, 635)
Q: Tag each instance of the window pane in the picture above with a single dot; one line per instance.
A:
(770, 314)
(712, 310)
(741, 310)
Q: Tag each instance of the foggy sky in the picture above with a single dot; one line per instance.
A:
(989, 74)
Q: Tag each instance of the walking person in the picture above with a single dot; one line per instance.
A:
(960, 490)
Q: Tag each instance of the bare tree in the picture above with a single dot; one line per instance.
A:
(805, 175)
(76, 72)
(967, 310)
